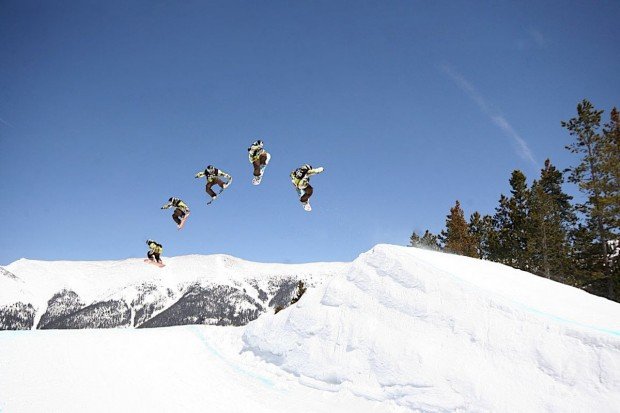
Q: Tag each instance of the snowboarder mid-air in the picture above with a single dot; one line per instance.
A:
(181, 211)
(213, 177)
(154, 253)
(259, 158)
(301, 180)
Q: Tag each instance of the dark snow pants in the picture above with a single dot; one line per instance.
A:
(152, 255)
(217, 181)
(262, 160)
(178, 215)
(307, 194)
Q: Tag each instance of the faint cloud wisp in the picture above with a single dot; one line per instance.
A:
(497, 118)
(6, 123)
(535, 40)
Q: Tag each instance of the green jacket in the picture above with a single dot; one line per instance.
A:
(177, 203)
(156, 248)
(212, 177)
(254, 153)
(305, 180)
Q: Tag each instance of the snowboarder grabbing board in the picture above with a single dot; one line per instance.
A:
(300, 178)
(181, 211)
(213, 176)
(259, 158)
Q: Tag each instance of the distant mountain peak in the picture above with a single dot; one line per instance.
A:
(202, 289)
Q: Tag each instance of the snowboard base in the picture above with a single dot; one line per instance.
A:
(155, 263)
(216, 196)
(183, 221)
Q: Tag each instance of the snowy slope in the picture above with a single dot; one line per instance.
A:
(66, 294)
(176, 369)
(397, 330)
(436, 332)
(13, 287)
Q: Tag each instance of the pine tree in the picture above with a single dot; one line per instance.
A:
(550, 218)
(610, 199)
(427, 241)
(587, 257)
(594, 176)
(430, 241)
(481, 229)
(415, 240)
(518, 208)
(301, 289)
(508, 243)
(610, 170)
(456, 237)
(500, 248)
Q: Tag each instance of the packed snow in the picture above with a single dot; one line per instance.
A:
(397, 330)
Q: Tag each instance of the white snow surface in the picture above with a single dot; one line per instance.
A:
(436, 332)
(93, 281)
(397, 330)
(174, 369)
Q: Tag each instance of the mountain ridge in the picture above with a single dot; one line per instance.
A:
(50, 291)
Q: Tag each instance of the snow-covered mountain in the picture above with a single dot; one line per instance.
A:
(397, 330)
(216, 289)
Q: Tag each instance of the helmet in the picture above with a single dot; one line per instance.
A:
(148, 241)
(306, 166)
(258, 143)
(170, 199)
(210, 169)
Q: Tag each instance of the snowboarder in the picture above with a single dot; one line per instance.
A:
(213, 177)
(181, 211)
(259, 158)
(155, 250)
(301, 180)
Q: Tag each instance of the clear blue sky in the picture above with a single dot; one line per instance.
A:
(109, 108)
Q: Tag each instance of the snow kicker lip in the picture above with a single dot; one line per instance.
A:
(521, 305)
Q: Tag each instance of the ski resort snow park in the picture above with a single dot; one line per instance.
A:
(312, 206)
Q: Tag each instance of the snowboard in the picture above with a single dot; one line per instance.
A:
(218, 195)
(183, 221)
(256, 180)
(155, 263)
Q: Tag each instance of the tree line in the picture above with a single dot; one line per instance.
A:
(539, 228)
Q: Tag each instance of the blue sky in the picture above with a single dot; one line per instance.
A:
(109, 108)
